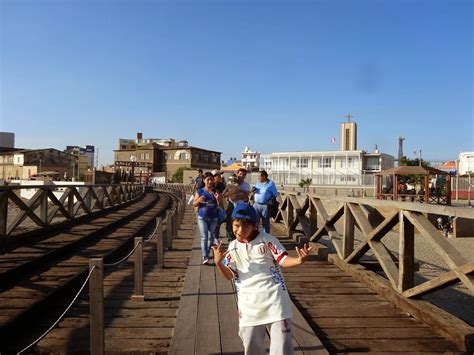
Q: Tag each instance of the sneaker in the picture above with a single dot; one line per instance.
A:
(205, 261)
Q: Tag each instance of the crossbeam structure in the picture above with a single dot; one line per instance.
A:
(45, 205)
(308, 215)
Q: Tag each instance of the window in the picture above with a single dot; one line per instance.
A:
(197, 156)
(325, 162)
(142, 156)
(147, 156)
(182, 156)
(18, 160)
(119, 157)
(123, 147)
(302, 162)
(349, 161)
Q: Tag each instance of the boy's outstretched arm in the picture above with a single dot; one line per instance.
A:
(219, 254)
(300, 259)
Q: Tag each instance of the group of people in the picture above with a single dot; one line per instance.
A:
(253, 257)
(215, 199)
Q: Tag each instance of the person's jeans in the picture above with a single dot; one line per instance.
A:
(262, 212)
(207, 229)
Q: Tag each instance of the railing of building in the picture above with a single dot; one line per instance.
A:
(61, 202)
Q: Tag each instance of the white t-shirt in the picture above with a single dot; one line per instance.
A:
(261, 288)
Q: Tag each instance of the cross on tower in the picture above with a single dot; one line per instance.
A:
(349, 116)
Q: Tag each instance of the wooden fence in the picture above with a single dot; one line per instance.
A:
(45, 205)
(310, 214)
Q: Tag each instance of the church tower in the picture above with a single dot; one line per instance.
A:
(349, 134)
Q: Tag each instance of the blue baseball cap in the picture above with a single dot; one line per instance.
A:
(245, 211)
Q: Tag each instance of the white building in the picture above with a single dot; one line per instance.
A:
(350, 167)
(466, 163)
(250, 159)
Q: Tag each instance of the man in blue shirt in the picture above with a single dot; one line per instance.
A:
(264, 191)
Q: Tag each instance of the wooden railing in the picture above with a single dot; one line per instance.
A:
(310, 213)
(186, 188)
(63, 201)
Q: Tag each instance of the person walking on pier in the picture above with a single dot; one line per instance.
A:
(234, 196)
(264, 191)
(206, 200)
(252, 261)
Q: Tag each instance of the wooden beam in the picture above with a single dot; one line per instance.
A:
(445, 250)
(443, 280)
(378, 233)
(361, 220)
(406, 276)
(385, 260)
(348, 233)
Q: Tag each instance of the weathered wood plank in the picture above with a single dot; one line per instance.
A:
(183, 341)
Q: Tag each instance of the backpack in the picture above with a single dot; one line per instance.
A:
(272, 207)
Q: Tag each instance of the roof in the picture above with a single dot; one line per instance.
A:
(413, 170)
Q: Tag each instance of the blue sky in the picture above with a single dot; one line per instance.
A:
(271, 75)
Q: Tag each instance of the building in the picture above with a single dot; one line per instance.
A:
(349, 134)
(354, 167)
(85, 159)
(347, 166)
(26, 164)
(250, 160)
(466, 163)
(7, 141)
(88, 151)
(145, 157)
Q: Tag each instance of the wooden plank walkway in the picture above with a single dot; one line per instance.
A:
(190, 309)
(131, 327)
(348, 317)
(207, 321)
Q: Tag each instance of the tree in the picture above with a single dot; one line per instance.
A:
(178, 175)
(305, 183)
(413, 179)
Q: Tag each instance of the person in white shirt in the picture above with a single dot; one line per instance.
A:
(252, 260)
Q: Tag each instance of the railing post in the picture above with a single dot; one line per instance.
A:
(159, 243)
(138, 261)
(96, 304)
(3, 218)
(313, 216)
(406, 267)
(348, 236)
(169, 230)
(88, 198)
(175, 222)
(44, 206)
(70, 202)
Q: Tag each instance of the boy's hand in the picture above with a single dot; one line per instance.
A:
(219, 253)
(303, 253)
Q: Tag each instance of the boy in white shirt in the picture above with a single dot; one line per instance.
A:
(252, 261)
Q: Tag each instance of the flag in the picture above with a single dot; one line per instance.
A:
(333, 140)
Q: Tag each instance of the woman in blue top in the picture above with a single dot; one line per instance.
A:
(207, 200)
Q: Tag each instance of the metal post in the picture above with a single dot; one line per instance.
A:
(138, 261)
(96, 304)
(159, 243)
